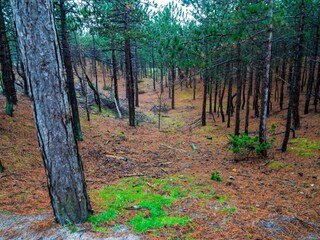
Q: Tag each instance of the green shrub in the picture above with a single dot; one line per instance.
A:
(246, 145)
(216, 176)
(106, 88)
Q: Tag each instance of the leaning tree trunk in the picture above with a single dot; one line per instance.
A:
(43, 64)
(6, 67)
(69, 72)
(265, 87)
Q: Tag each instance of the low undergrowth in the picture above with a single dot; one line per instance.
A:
(305, 147)
(145, 204)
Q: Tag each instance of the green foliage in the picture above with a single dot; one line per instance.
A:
(229, 210)
(151, 198)
(245, 144)
(106, 88)
(216, 176)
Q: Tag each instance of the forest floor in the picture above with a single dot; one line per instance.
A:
(152, 183)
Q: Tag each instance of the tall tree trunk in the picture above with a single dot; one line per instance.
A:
(136, 73)
(104, 73)
(230, 80)
(210, 86)
(256, 93)
(283, 79)
(316, 91)
(239, 86)
(129, 75)
(69, 73)
(194, 87)
(6, 67)
(204, 100)
(249, 93)
(161, 78)
(215, 96)
(115, 73)
(311, 71)
(265, 86)
(153, 71)
(298, 57)
(94, 70)
(38, 38)
(173, 76)
(222, 95)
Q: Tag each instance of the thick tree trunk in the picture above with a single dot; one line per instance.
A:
(69, 73)
(265, 86)
(6, 67)
(43, 64)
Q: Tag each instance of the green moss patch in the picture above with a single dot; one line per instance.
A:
(146, 204)
(276, 165)
(305, 147)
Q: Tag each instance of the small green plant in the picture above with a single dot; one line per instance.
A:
(73, 230)
(216, 176)
(246, 145)
(229, 210)
(106, 88)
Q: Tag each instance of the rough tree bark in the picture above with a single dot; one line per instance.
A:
(43, 65)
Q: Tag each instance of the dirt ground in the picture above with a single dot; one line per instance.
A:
(274, 198)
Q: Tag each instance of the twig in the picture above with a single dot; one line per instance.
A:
(134, 175)
(165, 171)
